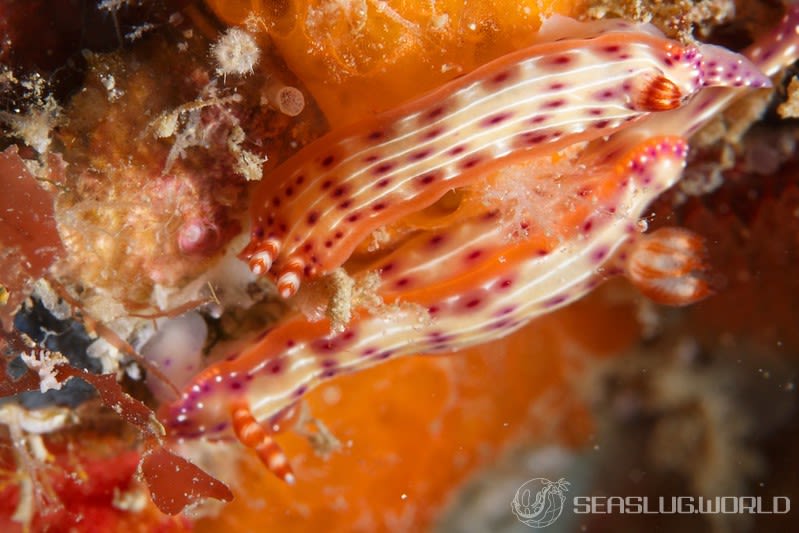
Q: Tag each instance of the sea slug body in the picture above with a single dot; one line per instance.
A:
(460, 284)
(311, 213)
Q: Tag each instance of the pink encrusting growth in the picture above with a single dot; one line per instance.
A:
(309, 216)
(487, 271)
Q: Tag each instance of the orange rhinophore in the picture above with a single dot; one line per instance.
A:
(251, 434)
(669, 266)
(659, 94)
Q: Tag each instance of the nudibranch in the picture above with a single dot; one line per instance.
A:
(484, 271)
(588, 81)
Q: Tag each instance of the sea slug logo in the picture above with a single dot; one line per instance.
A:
(539, 502)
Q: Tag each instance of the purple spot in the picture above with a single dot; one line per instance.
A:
(435, 240)
(505, 311)
(339, 191)
(276, 201)
(300, 180)
(474, 254)
(402, 282)
(235, 385)
(433, 309)
(327, 161)
(505, 283)
(427, 179)
(313, 217)
(560, 60)
(383, 182)
(345, 204)
(602, 124)
(435, 112)
(474, 302)
(301, 390)
(371, 158)
(496, 119)
(557, 300)
(554, 104)
(599, 254)
(433, 133)
(327, 184)
(375, 135)
(420, 154)
(328, 344)
(500, 324)
(353, 217)
(532, 138)
(557, 86)
(538, 119)
(500, 77)
(457, 150)
(471, 162)
(383, 168)
(379, 206)
(368, 352)
(219, 427)
(274, 367)
(439, 337)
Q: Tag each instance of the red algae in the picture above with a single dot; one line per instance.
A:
(176, 483)
(28, 235)
(94, 484)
